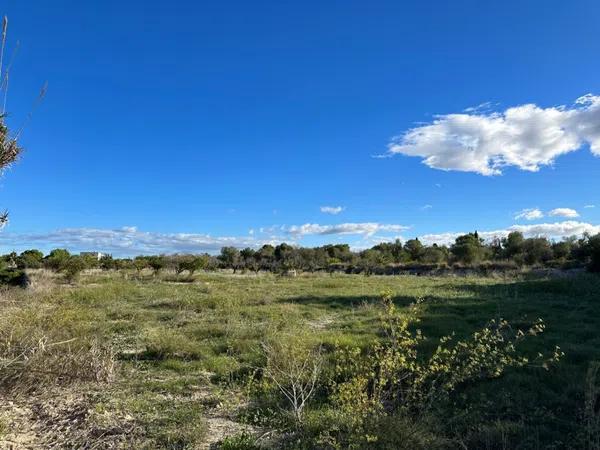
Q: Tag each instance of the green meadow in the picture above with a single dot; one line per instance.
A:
(115, 360)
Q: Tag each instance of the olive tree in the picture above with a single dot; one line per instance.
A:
(231, 258)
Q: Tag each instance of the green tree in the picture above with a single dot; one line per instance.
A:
(124, 264)
(90, 261)
(10, 259)
(231, 258)
(265, 257)
(594, 252)
(562, 250)
(341, 252)
(414, 248)
(199, 262)
(513, 244)
(56, 259)
(157, 263)
(371, 259)
(394, 251)
(140, 263)
(287, 257)
(308, 259)
(72, 267)
(30, 259)
(537, 250)
(248, 257)
(434, 254)
(108, 263)
(468, 248)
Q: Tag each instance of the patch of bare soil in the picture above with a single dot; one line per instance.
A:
(219, 428)
(61, 419)
(68, 418)
(219, 415)
(322, 322)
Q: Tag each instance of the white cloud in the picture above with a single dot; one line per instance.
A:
(479, 108)
(564, 212)
(529, 214)
(332, 209)
(366, 228)
(525, 136)
(426, 207)
(128, 241)
(589, 206)
(558, 230)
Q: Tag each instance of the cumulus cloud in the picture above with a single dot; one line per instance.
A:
(365, 228)
(529, 214)
(128, 241)
(564, 212)
(332, 209)
(558, 230)
(525, 136)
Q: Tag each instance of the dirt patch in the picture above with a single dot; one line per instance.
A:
(61, 419)
(219, 428)
(322, 322)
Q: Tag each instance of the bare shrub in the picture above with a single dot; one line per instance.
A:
(295, 369)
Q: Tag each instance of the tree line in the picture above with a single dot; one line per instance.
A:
(468, 251)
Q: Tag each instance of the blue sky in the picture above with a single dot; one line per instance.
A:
(182, 126)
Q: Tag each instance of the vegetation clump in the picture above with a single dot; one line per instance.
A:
(391, 385)
(469, 254)
(314, 361)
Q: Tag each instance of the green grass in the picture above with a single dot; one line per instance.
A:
(175, 341)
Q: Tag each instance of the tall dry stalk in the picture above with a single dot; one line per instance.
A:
(9, 147)
(4, 30)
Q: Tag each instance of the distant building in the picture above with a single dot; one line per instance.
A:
(96, 255)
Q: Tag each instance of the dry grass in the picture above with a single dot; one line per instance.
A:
(42, 280)
(28, 362)
(179, 354)
(64, 418)
(36, 351)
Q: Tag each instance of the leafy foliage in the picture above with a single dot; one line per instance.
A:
(392, 379)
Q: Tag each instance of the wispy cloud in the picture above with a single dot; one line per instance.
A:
(557, 230)
(128, 241)
(525, 136)
(486, 106)
(132, 241)
(529, 214)
(426, 207)
(332, 209)
(564, 212)
(589, 206)
(365, 228)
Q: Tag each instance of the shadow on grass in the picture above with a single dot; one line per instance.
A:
(570, 307)
(341, 302)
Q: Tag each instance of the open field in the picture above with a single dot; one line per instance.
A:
(117, 362)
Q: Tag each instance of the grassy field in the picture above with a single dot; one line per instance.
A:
(118, 362)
